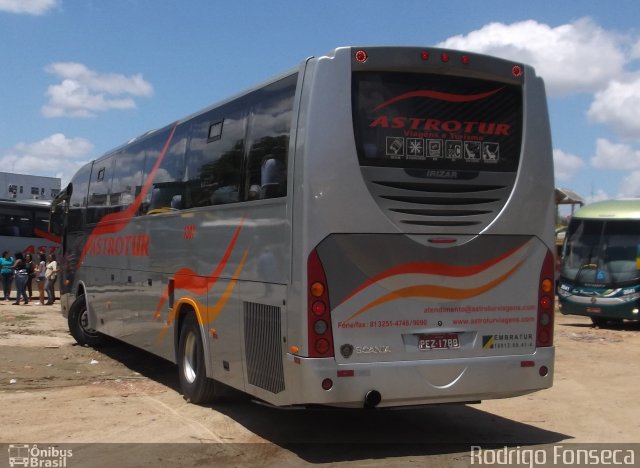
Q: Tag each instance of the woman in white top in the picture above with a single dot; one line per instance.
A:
(51, 273)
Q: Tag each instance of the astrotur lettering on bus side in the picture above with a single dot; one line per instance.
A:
(130, 245)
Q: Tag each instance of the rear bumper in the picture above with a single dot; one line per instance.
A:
(411, 383)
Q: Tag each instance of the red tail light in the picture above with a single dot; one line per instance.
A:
(544, 336)
(318, 309)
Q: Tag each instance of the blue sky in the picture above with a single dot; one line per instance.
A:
(79, 77)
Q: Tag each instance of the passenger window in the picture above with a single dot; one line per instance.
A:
(167, 189)
(99, 189)
(214, 161)
(78, 199)
(127, 179)
(269, 130)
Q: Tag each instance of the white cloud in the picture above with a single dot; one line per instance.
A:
(575, 57)
(630, 186)
(566, 165)
(84, 92)
(31, 7)
(599, 195)
(53, 156)
(618, 106)
(615, 156)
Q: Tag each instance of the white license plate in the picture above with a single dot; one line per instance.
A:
(439, 341)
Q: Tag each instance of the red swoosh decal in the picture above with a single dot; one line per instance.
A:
(439, 96)
(47, 235)
(116, 222)
(189, 280)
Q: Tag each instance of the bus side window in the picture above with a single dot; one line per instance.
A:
(214, 162)
(168, 185)
(10, 231)
(100, 189)
(269, 130)
(274, 177)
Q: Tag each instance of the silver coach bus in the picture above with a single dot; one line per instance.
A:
(373, 228)
(600, 272)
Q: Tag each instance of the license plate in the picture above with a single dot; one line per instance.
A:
(439, 341)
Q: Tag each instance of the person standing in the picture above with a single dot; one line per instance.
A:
(28, 261)
(41, 271)
(6, 262)
(21, 277)
(50, 278)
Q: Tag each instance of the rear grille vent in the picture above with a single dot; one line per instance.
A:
(440, 212)
(262, 340)
(439, 188)
(466, 203)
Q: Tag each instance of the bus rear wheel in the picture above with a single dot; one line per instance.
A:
(196, 386)
(78, 322)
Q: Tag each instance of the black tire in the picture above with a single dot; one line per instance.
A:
(196, 386)
(78, 324)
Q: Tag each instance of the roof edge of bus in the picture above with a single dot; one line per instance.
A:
(26, 202)
(621, 208)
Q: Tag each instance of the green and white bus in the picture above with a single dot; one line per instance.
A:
(372, 228)
(600, 272)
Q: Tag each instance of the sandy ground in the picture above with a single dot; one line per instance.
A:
(119, 405)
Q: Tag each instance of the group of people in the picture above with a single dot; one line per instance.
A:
(22, 269)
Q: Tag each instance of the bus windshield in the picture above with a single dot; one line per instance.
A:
(420, 120)
(603, 253)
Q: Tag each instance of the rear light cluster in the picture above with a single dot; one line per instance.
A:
(544, 335)
(318, 309)
(445, 57)
(362, 56)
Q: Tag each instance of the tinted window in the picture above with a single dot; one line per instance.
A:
(436, 121)
(78, 199)
(127, 179)
(16, 222)
(269, 130)
(214, 162)
(99, 189)
(602, 252)
(167, 188)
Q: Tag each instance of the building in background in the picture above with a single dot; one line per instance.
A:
(28, 187)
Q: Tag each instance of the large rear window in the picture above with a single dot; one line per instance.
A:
(419, 120)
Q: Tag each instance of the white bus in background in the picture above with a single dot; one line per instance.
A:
(24, 227)
(373, 228)
(600, 273)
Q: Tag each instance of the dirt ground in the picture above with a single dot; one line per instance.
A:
(119, 405)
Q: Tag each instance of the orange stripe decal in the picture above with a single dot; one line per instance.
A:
(432, 269)
(213, 312)
(189, 280)
(436, 292)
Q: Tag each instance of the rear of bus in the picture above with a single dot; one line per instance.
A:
(422, 230)
(600, 272)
